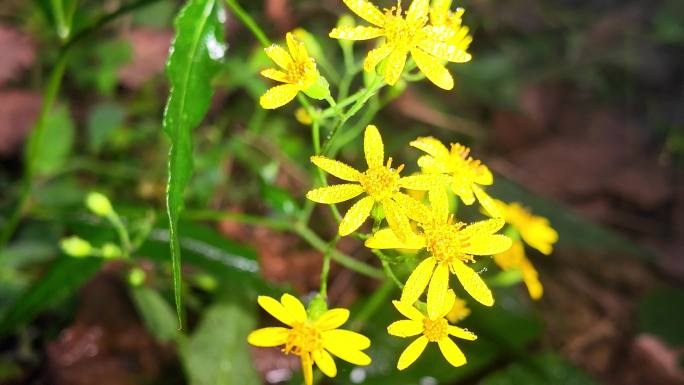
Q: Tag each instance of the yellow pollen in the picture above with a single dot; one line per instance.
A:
(380, 182)
(444, 242)
(397, 30)
(435, 330)
(303, 337)
(299, 73)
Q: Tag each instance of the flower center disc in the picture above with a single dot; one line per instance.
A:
(443, 242)
(299, 73)
(380, 182)
(303, 338)
(435, 330)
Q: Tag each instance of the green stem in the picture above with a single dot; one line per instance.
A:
(326, 267)
(58, 12)
(248, 22)
(372, 305)
(316, 135)
(121, 230)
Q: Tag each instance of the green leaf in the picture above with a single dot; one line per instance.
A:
(542, 369)
(193, 62)
(661, 312)
(156, 313)
(56, 142)
(64, 277)
(217, 353)
(102, 121)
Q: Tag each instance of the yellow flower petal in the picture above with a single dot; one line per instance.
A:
(394, 66)
(276, 309)
(356, 215)
(405, 328)
(397, 220)
(465, 192)
(307, 368)
(439, 203)
(336, 168)
(274, 74)
(355, 357)
(487, 203)
(294, 307)
(356, 33)
(413, 208)
(367, 11)
(334, 194)
(437, 291)
(297, 48)
(439, 11)
(433, 69)
(487, 244)
(421, 182)
(373, 148)
(451, 352)
(484, 176)
(472, 283)
(332, 319)
(486, 227)
(345, 338)
(279, 56)
(278, 96)
(408, 310)
(412, 352)
(325, 362)
(417, 281)
(268, 337)
(432, 146)
(375, 56)
(445, 51)
(461, 333)
(429, 164)
(418, 12)
(447, 305)
(540, 235)
(386, 239)
(531, 279)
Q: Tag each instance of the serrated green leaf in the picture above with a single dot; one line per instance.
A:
(193, 61)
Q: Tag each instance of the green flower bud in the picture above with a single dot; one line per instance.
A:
(76, 247)
(317, 307)
(136, 276)
(99, 204)
(111, 251)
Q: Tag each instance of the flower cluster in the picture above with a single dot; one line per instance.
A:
(413, 214)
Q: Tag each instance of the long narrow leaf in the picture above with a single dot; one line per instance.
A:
(193, 61)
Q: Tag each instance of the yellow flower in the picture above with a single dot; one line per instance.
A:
(433, 328)
(299, 73)
(465, 174)
(451, 246)
(448, 26)
(534, 230)
(428, 47)
(459, 311)
(515, 258)
(380, 183)
(311, 340)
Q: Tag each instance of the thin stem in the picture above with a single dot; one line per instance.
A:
(58, 12)
(316, 135)
(248, 22)
(326, 266)
(121, 230)
(372, 305)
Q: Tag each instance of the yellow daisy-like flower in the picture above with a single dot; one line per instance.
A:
(515, 258)
(535, 230)
(451, 247)
(298, 72)
(311, 340)
(380, 183)
(448, 26)
(429, 47)
(432, 328)
(465, 174)
(459, 311)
